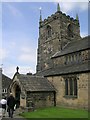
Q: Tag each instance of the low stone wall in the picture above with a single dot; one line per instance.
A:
(40, 99)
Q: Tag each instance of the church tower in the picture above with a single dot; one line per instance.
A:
(55, 33)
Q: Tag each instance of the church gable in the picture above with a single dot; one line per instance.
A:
(27, 88)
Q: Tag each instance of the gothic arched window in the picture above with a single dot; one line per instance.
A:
(49, 31)
(70, 30)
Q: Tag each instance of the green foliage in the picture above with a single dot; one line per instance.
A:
(56, 112)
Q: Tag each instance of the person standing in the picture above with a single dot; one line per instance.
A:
(3, 103)
(10, 104)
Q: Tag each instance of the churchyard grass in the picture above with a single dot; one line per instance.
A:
(56, 112)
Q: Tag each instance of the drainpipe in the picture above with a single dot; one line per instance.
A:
(54, 98)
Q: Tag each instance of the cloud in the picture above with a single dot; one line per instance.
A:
(22, 50)
(70, 1)
(26, 49)
(3, 53)
(0, 25)
(20, 53)
(21, 56)
(12, 44)
(0, 8)
(15, 12)
(44, 1)
(26, 69)
(27, 58)
(14, 0)
(66, 6)
(69, 5)
(83, 34)
(10, 70)
(28, 54)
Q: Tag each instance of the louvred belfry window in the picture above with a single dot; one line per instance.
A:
(49, 31)
(70, 30)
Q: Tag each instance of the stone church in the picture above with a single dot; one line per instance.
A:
(5, 81)
(28, 89)
(63, 70)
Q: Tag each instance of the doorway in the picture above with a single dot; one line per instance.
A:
(17, 96)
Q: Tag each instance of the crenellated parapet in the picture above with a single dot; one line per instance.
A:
(59, 16)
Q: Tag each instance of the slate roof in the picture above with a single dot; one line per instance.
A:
(68, 69)
(74, 46)
(5, 81)
(35, 83)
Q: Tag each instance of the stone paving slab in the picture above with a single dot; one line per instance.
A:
(15, 116)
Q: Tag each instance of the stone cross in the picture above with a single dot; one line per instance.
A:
(17, 68)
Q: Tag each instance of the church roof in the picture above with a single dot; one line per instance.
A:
(5, 81)
(74, 46)
(35, 83)
(77, 68)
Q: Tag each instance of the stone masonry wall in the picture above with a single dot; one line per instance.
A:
(40, 99)
(73, 58)
(81, 101)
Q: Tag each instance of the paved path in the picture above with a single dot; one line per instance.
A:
(15, 117)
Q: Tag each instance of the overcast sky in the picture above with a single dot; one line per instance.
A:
(19, 33)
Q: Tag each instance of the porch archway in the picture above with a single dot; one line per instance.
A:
(17, 95)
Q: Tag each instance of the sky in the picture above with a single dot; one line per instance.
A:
(19, 30)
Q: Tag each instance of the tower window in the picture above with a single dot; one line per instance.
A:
(70, 30)
(48, 31)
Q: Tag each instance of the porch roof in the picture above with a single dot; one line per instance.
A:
(35, 83)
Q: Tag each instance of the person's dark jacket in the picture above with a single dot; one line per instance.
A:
(11, 102)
